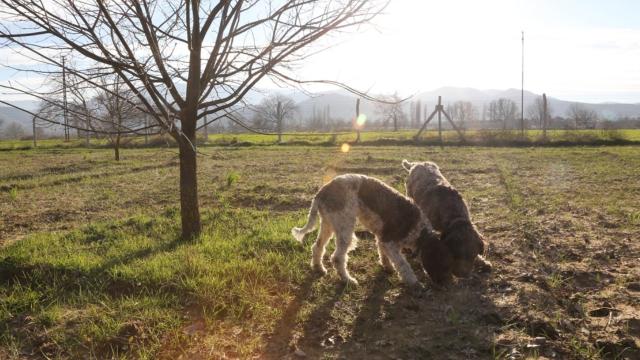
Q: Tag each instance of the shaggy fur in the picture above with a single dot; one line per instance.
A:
(394, 219)
(443, 205)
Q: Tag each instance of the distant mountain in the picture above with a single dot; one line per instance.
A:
(342, 103)
(9, 115)
(559, 107)
(339, 104)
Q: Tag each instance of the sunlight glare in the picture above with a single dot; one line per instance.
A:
(345, 148)
(360, 120)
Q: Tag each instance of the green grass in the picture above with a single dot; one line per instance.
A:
(118, 287)
(569, 136)
(13, 193)
(478, 137)
(232, 177)
(91, 264)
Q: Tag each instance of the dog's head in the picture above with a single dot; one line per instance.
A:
(464, 243)
(435, 256)
(418, 171)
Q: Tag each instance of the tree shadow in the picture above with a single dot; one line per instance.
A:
(63, 281)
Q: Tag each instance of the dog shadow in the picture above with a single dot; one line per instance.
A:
(288, 334)
(382, 319)
(424, 323)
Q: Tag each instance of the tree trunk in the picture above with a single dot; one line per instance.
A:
(206, 130)
(116, 147)
(279, 120)
(146, 130)
(87, 133)
(356, 124)
(544, 116)
(35, 133)
(189, 209)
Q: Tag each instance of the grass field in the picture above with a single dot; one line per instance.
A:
(403, 137)
(91, 265)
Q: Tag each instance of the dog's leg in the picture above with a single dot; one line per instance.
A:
(340, 256)
(317, 251)
(384, 259)
(401, 265)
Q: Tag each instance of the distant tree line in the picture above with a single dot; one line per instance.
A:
(112, 110)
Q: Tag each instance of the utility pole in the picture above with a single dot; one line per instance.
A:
(64, 101)
(522, 92)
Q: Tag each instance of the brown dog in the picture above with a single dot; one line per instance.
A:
(393, 218)
(443, 205)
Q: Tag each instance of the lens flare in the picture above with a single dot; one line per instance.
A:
(345, 148)
(360, 120)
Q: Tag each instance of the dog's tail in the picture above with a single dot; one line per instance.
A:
(299, 233)
(406, 165)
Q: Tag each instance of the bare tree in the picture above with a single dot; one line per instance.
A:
(415, 114)
(463, 112)
(272, 113)
(390, 111)
(37, 125)
(536, 112)
(503, 110)
(582, 117)
(183, 60)
(116, 106)
(14, 130)
(48, 115)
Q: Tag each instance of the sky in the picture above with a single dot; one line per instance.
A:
(585, 50)
(574, 50)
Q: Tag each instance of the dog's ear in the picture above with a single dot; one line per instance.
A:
(406, 165)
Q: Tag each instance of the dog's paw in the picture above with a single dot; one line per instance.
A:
(482, 265)
(319, 269)
(410, 281)
(297, 234)
(388, 268)
(350, 281)
(415, 289)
